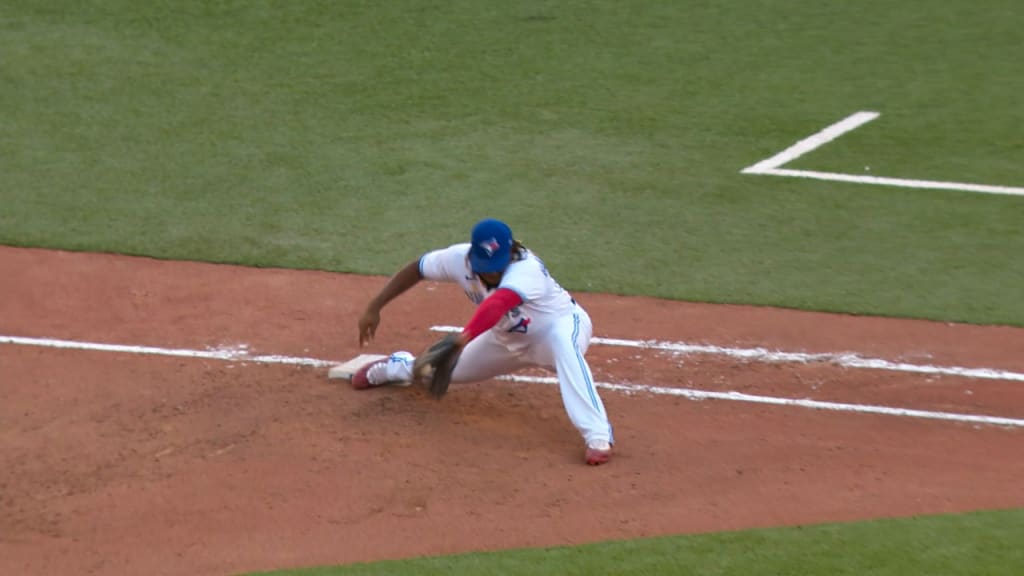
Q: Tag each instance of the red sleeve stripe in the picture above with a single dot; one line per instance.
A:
(490, 311)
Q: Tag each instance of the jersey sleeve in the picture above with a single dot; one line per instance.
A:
(445, 265)
(490, 312)
(527, 278)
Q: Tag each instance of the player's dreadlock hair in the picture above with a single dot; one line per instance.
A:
(518, 251)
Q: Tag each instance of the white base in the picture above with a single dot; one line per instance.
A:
(346, 370)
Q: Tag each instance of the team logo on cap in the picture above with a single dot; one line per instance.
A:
(490, 246)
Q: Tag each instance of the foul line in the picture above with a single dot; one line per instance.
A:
(239, 354)
(801, 402)
(773, 166)
(847, 360)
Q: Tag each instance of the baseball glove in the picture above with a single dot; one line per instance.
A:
(433, 368)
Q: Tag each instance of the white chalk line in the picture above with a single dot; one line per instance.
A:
(830, 133)
(902, 182)
(773, 166)
(846, 360)
(801, 402)
(240, 355)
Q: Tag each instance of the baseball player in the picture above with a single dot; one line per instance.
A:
(523, 318)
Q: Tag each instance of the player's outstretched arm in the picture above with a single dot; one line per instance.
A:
(407, 277)
(499, 303)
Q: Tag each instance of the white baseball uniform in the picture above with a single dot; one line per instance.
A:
(549, 329)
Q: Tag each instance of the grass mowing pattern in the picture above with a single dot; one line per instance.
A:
(965, 545)
(352, 135)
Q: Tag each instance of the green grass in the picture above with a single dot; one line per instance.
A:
(970, 544)
(351, 136)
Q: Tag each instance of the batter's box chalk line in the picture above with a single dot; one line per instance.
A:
(774, 166)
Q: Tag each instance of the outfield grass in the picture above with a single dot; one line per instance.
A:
(352, 135)
(966, 545)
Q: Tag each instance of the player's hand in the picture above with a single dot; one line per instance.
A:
(368, 326)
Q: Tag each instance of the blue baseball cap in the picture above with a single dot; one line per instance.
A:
(492, 246)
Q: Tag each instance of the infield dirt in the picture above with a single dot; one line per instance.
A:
(116, 463)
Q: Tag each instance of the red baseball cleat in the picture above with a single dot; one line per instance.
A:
(368, 376)
(598, 453)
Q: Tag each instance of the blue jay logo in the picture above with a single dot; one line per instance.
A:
(521, 327)
(524, 321)
(490, 246)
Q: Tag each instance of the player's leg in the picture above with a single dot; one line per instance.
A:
(482, 359)
(566, 345)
